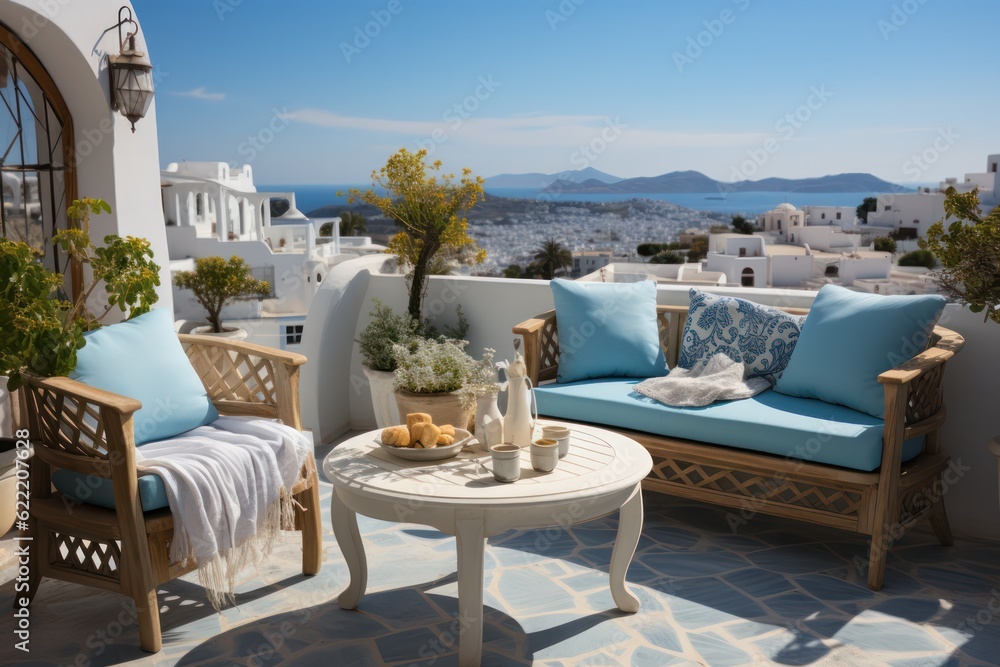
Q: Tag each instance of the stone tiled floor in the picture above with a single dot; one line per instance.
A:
(772, 592)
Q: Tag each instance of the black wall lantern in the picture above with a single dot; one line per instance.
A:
(131, 73)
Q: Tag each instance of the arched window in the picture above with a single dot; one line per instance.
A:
(37, 162)
(747, 278)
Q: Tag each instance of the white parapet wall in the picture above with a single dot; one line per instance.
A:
(335, 394)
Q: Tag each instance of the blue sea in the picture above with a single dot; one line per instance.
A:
(311, 197)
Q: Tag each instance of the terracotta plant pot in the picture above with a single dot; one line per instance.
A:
(443, 408)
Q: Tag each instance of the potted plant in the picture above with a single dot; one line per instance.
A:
(376, 340)
(429, 209)
(40, 329)
(218, 282)
(430, 376)
(969, 251)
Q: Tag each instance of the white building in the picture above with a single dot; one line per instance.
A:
(914, 212)
(211, 209)
(841, 216)
(742, 257)
(785, 221)
(588, 261)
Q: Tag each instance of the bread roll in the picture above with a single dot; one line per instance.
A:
(415, 431)
(444, 440)
(429, 436)
(417, 417)
(397, 436)
(447, 429)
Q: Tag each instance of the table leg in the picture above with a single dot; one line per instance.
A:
(345, 528)
(629, 528)
(470, 538)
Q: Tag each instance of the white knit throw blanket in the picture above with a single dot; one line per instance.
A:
(224, 483)
(721, 379)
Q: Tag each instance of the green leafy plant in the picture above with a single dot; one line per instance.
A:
(969, 250)
(385, 330)
(432, 365)
(217, 282)
(885, 244)
(667, 257)
(429, 210)
(40, 330)
(924, 258)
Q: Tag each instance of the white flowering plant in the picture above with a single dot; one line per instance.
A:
(483, 376)
(432, 365)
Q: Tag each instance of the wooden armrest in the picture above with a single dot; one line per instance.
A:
(271, 353)
(247, 379)
(529, 327)
(84, 393)
(948, 344)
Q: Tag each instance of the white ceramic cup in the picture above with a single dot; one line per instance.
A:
(506, 462)
(544, 455)
(560, 434)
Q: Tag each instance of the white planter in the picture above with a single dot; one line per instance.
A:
(8, 489)
(233, 333)
(383, 397)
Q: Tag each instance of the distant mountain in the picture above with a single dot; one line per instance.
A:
(539, 180)
(694, 181)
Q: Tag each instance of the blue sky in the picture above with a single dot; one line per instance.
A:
(323, 92)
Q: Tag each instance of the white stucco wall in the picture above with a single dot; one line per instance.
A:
(790, 270)
(72, 40)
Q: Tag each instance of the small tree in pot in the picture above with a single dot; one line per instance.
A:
(385, 330)
(429, 210)
(217, 282)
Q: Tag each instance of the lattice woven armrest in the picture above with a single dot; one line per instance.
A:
(247, 379)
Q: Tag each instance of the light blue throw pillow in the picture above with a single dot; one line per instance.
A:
(759, 336)
(143, 359)
(849, 338)
(607, 330)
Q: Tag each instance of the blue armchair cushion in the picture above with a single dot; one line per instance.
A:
(100, 491)
(761, 337)
(849, 338)
(607, 330)
(143, 359)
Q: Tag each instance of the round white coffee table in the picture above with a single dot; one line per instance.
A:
(602, 473)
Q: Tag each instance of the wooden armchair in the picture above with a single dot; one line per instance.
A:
(76, 427)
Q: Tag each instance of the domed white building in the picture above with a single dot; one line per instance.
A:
(784, 220)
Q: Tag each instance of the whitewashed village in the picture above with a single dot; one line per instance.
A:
(212, 209)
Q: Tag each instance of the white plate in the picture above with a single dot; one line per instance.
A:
(462, 438)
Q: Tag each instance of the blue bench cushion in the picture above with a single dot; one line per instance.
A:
(99, 491)
(770, 422)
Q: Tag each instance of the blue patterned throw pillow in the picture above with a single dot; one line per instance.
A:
(759, 336)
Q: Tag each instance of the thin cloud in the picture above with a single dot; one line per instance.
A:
(201, 93)
(523, 130)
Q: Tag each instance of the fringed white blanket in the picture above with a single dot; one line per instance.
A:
(224, 483)
(721, 379)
